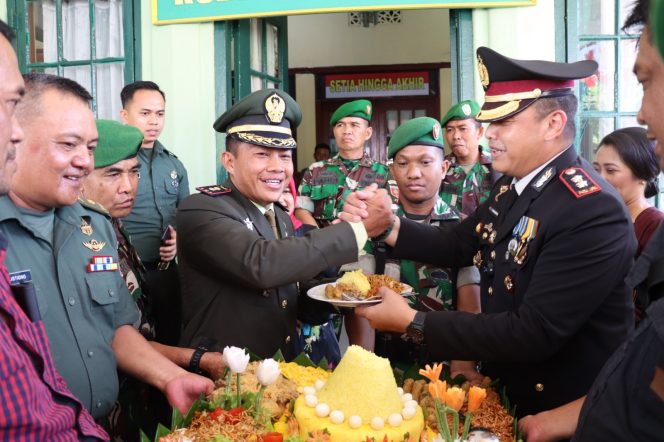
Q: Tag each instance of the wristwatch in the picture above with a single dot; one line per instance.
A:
(415, 330)
(195, 361)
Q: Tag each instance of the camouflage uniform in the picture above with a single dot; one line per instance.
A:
(435, 286)
(326, 184)
(465, 191)
(133, 272)
(134, 409)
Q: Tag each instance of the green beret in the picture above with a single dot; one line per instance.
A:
(264, 118)
(358, 108)
(421, 131)
(656, 24)
(463, 110)
(117, 142)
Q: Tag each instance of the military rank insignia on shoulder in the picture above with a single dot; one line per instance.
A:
(214, 190)
(579, 182)
(93, 205)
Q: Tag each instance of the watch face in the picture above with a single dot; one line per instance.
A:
(415, 335)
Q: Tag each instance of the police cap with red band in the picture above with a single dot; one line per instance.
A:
(511, 85)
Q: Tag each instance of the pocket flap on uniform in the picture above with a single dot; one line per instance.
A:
(102, 287)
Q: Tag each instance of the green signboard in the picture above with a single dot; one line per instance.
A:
(188, 11)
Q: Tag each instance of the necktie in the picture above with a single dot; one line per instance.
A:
(269, 214)
(506, 202)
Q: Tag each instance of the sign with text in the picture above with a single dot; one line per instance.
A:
(377, 84)
(189, 11)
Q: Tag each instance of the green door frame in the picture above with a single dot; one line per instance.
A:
(462, 55)
(233, 72)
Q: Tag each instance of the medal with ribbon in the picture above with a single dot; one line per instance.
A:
(524, 231)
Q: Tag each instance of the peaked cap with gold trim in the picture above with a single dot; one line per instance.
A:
(264, 118)
(511, 85)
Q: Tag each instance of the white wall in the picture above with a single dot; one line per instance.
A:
(522, 32)
(180, 58)
(327, 40)
(324, 40)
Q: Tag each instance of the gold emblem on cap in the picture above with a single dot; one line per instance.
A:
(94, 245)
(368, 109)
(275, 106)
(86, 228)
(435, 132)
(466, 109)
(484, 73)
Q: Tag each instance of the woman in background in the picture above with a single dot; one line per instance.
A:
(626, 159)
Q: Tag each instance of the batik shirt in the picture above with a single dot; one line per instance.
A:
(465, 191)
(133, 272)
(326, 184)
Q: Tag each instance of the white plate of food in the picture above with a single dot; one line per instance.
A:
(341, 298)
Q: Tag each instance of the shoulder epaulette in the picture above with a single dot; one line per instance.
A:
(170, 153)
(94, 206)
(214, 190)
(579, 182)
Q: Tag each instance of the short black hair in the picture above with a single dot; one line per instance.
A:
(6, 31)
(129, 90)
(638, 17)
(322, 146)
(232, 144)
(36, 83)
(565, 103)
(637, 151)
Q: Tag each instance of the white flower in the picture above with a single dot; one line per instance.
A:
(236, 359)
(268, 372)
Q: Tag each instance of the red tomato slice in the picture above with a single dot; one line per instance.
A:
(272, 437)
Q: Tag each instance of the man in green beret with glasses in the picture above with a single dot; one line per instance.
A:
(113, 183)
(417, 151)
(470, 176)
(239, 259)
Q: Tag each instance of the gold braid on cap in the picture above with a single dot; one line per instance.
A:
(498, 112)
(535, 93)
(275, 142)
(259, 128)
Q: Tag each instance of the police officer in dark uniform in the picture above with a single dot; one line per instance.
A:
(239, 258)
(553, 243)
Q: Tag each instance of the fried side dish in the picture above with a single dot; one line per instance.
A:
(349, 286)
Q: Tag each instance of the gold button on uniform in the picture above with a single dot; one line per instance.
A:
(284, 303)
(490, 291)
(539, 387)
(287, 338)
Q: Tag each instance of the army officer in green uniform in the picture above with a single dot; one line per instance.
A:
(239, 260)
(151, 223)
(470, 177)
(418, 167)
(325, 185)
(68, 249)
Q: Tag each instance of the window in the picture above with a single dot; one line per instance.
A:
(90, 41)
(610, 99)
(259, 55)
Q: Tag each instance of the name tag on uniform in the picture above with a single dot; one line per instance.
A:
(20, 277)
(325, 177)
